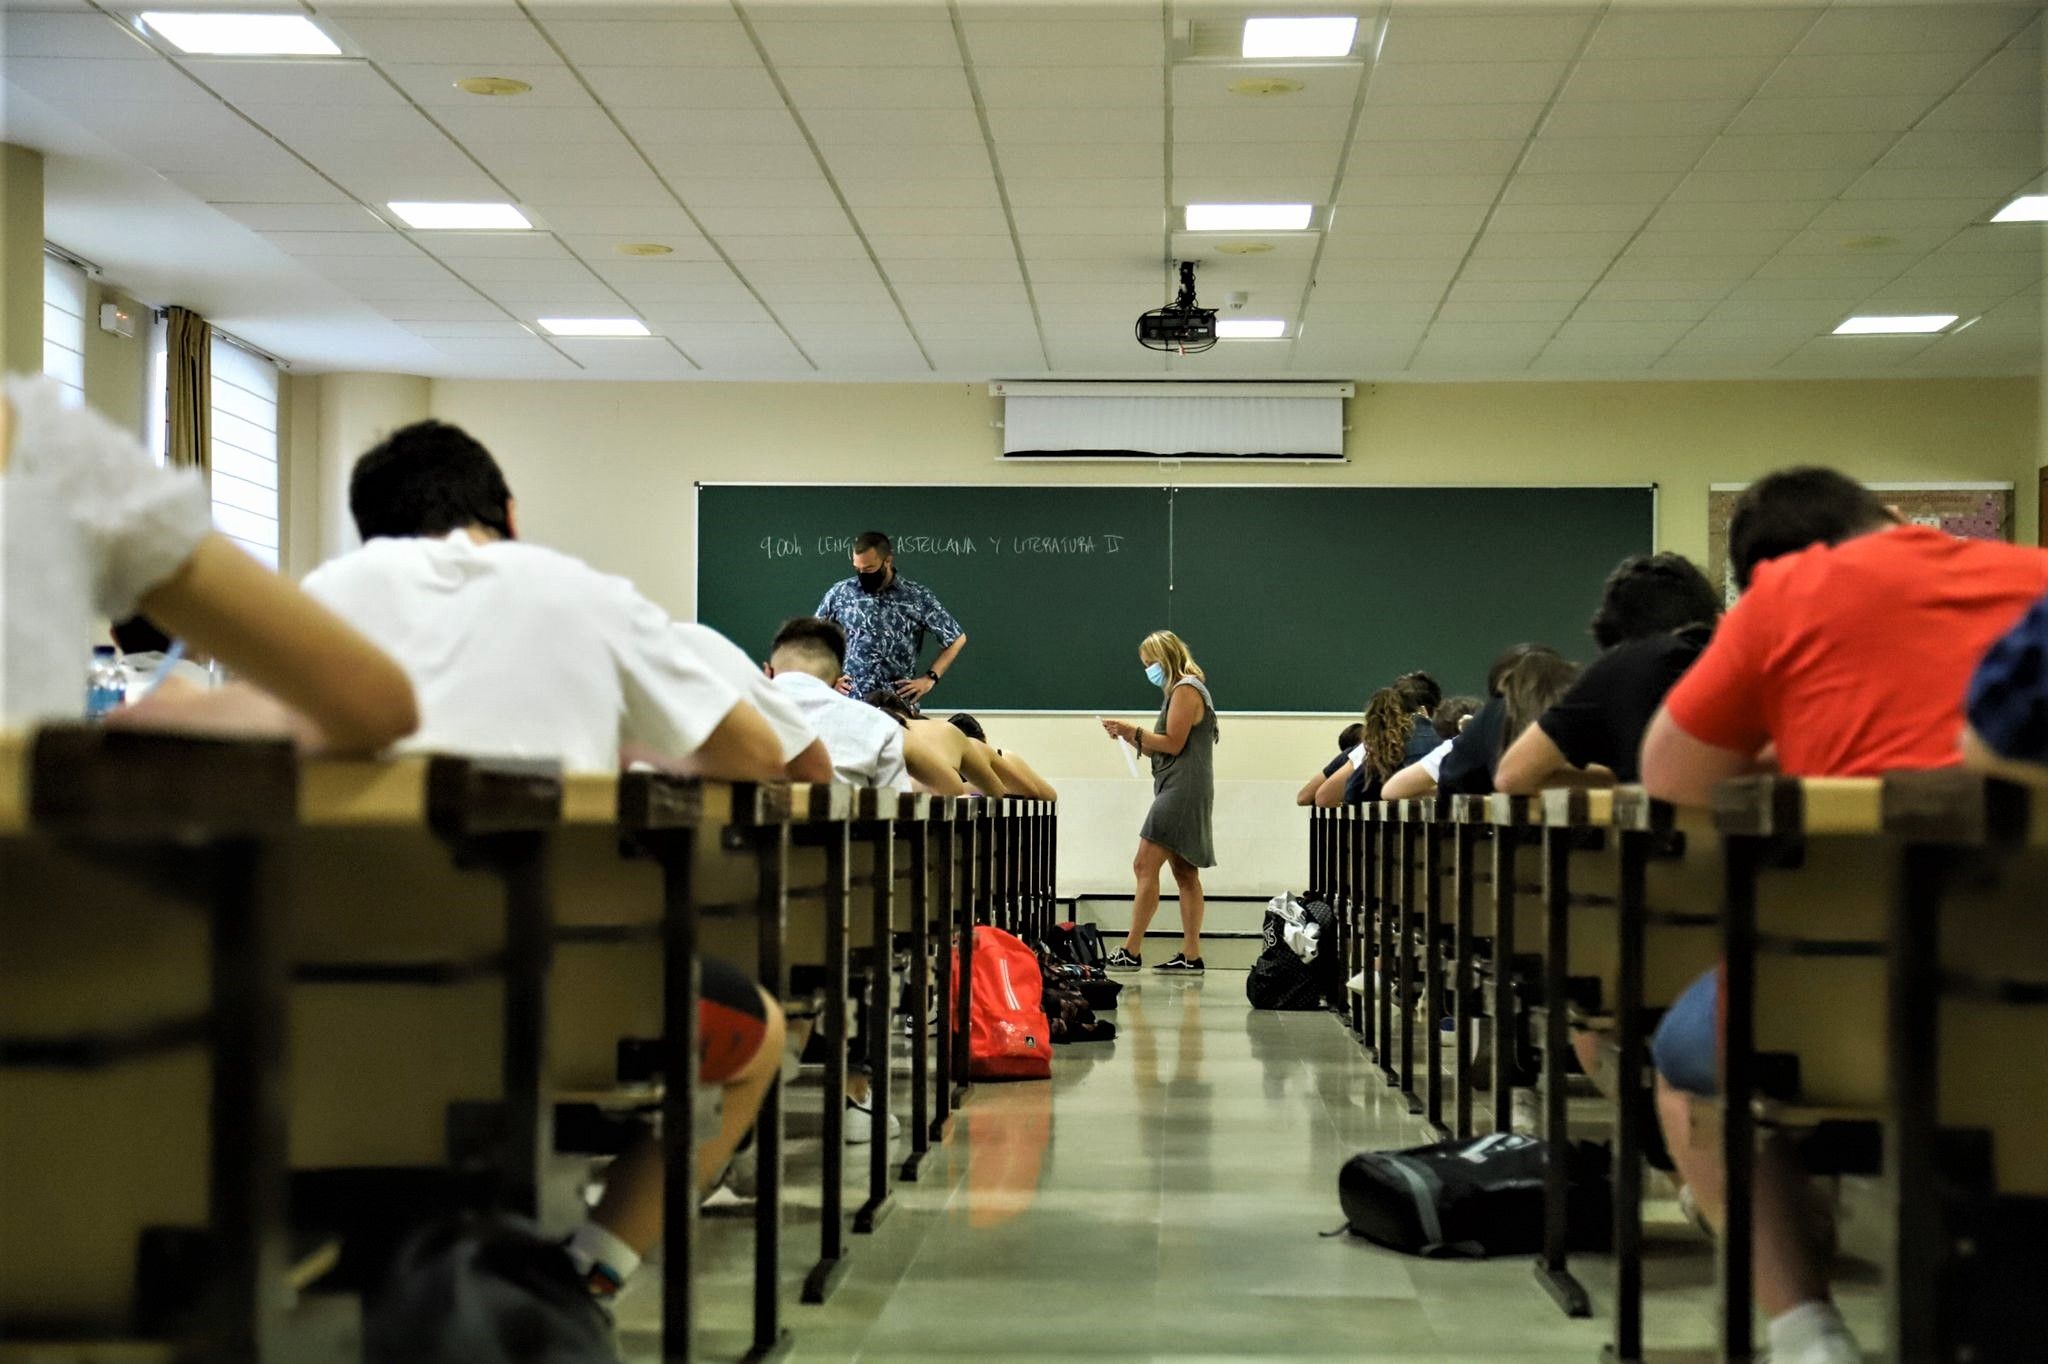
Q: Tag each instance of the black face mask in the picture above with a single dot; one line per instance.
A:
(872, 582)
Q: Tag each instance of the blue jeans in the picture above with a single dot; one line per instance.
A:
(1687, 1046)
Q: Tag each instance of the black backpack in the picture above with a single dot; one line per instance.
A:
(1077, 943)
(1474, 1198)
(1281, 980)
(485, 1289)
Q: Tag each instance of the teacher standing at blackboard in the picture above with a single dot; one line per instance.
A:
(886, 618)
(1176, 833)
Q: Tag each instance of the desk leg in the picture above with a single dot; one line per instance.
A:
(1464, 856)
(1433, 979)
(1383, 934)
(1738, 1122)
(771, 918)
(1505, 841)
(1632, 1101)
(971, 889)
(679, 1095)
(831, 1267)
(1552, 1270)
(1365, 867)
(521, 861)
(1922, 1247)
(947, 948)
(1404, 962)
(881, 1005)
(921, 1000)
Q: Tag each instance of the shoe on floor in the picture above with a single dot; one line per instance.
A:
(1831, 1347)
(1179, 963)
(1356, 985)
(1120, 960)
(860, 1124)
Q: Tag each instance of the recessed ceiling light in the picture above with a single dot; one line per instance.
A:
(1299, 37)
(1248, 217)
(242, 35)
(644, 249)
(2028, 208)
(1916, 324)
(493, 85)
(461, 217)
(1251, 329)
(595, 326)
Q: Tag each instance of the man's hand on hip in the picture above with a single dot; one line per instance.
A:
(913, 689)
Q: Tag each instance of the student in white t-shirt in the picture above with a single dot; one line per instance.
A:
(805, 663)
(90, 527)
(520, 651)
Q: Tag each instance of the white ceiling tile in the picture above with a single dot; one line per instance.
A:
(1515, 291)
(1561, 360)
(1417, 271)
(541, 300)
(751, 221)
(77, 83)
(347, 84)
(1340, 248)
(1082, 271)
(1049, 42)
(1259, 124)
(1904, 73)
(499, 122)
(1719, 32)
(657, 128)
(2010, 238)
(385, 243)
(390, 269)
(1873, 113)
(1251, 159)
(658, 315)
(265, 187)
(1712, 243)
(522, 346)
(914, 247)
(1463, 219)
(1464, 82)
(1934, 182)
(554, 193)
(1247, 189)
(1569, 217)
(1439, 37)
(920, 272)
(1989, 110)
(1727, 270)
(1625, 187)
(731, 160)
(1642, 310)
(387, 294)
(335, 217)
(1065, 87)
(488, 271)
(1433, 158)
(1526, 310)
(1840, 266)
(1610, 155)
(1572, 269)
(1070, 126)
(871, 42)
(924, 297)
(1327, 333)
(439, 310)
(318, 126)
(1104, 161)
(845, 246)
(604, 246)
(513, 162)
(1797, 152)
(1667, 78)
(796, 191)
(920, 220)
(1852, 355)
(1689, 290)
(902, 127)
(950, 161)
(1762, 186)
(2023, 269)
(1718, 217)
(894, 191)
(2021, 151)
(468, 329)
(1207, 85)
(1811, 315)
(1437, 122)
(1330, 309)
(432, 84)
(1640, 118)
(1334, 286)
(1419, 189)
(651, 42)
(1053, 192)
(1067, 220)
(1137, 246)
(1914, 29)
(384, 184)
(703, 87)
(485, 41)
(899, 87)
(73, 35)
(1497, 245)
(1829, 241)
(1836, 291)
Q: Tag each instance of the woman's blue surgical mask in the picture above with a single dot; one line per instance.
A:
(1155, 673)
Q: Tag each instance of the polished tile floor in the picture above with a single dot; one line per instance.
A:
(1162, 1199)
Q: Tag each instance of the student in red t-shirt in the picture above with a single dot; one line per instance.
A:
(1848, 655)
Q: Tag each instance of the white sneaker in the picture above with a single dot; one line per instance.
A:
(1356, 985)
(1832, 1347)
(860, 1124)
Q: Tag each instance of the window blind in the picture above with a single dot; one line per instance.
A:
(64, 327)
(244, 450)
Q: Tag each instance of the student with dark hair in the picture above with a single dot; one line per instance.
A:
(865, 747)
(1018, 777)
(1656, 614)
(1466, 767)
(1848, 654)
(1451, 714)
(1421, 694)
(943, 760)
(517, 650)
(1347, 739)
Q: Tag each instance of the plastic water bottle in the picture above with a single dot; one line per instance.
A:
(105, 685)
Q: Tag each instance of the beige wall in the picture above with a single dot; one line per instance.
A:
(21, 260)
(606, 471)
(117, 367)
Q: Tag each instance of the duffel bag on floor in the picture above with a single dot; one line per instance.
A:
(1280, 980)
(1475, 1198)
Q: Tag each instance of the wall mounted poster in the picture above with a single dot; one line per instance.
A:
(1977, 511)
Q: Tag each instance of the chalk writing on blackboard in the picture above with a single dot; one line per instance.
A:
(949, 546)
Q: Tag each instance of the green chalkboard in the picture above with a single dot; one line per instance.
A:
(1294, 599)
(1054, 586)
(1310, 598)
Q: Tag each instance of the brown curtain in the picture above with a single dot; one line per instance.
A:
(189, 404)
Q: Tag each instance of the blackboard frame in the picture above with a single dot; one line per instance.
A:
(1169, 486)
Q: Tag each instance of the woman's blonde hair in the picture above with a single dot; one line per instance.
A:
(1164, 647)
(1387, 720)
(1533, 685)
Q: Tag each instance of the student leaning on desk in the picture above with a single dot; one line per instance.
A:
(91, 528)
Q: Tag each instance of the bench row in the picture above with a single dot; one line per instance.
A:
(1885, 986)
(244, 995)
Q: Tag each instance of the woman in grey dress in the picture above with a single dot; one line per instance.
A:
(1182, 747)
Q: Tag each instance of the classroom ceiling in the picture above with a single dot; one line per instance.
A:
(972, 190)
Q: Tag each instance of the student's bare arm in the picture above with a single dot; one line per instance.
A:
(1307, 794)
(1028, 781)
(742, 748)
(1410, 783)
(929, 769)
(1684, 771)
(1330, 794)
(977, 766)
(276, 637)
(1534, 761)
(813, 765)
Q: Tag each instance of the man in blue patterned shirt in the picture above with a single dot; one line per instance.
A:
(885, 618)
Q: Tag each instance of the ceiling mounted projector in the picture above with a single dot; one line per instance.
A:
(1180, 326)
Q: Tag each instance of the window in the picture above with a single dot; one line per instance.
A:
(64, 327)
(156, 416)
(245, 503)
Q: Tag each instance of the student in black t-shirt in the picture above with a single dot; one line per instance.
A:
(1346, 741)
(1466, 768)
(1657, 613)
(1420, 693)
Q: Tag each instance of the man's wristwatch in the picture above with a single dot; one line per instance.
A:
(933, 674)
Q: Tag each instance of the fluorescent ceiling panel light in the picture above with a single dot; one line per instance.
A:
(595, 326)
(242, 35)
(1919, 324)
(1248, 217)
(1299, 37)
(1251, 329)
(460, 217)
(2028, 208)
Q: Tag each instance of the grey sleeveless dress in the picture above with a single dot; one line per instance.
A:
(1184, 786)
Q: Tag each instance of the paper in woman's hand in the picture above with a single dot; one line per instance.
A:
(1130, 758)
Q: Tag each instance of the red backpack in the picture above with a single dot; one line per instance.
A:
(1008, 1037)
